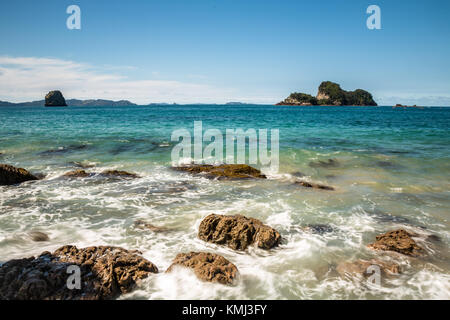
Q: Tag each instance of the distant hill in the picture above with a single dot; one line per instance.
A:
(330, 94)
(72, 102)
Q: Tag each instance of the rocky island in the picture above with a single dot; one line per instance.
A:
(55, 99)
(330, 94)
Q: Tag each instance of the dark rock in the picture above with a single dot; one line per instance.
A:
(77, 174)
(313, 185)
(207, 266)
(237, 232)
(118, 173)
(298, 174)
(398, 241)
(10, 175)
(82, 164)
(330, 163)
(55, 99)
(64, 150)
(38, 236)
(106, 272)
(319, 228)
(223, 171)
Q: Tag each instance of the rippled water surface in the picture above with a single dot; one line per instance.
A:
(391, 170)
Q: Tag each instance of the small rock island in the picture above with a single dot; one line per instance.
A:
(55, 99)
(330, 94)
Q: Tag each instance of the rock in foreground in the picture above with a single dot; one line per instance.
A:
(105, 272)
(237, 232)
(398, 241)
(223, 171)
(55, 99)
(207, 266)
(11, 175)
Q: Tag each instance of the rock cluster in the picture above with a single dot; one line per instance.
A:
(237, 232)
(223, 171)
(105, 273)
(10, 175)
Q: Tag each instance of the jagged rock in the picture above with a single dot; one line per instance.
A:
(207, 266)
(324, 164)
(223, 171)
(360, 267)
(144, 225)
(77, 174)
(38, 236)
(237, 232)
(118, 173)
(105, 273)
(398, 241)
(11, 175)
(313, 185)
(55, 99)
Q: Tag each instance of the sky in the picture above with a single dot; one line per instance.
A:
(216, 51)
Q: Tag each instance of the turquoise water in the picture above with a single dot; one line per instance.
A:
(392, 170)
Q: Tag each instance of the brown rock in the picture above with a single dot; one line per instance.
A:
(398, 241)
(105, 272)
(237, 232)
(77, 174)
(313, 185)
(223, 171)
(360, 267)
(10, 175)
(207, 266)
(38, 236)
(119, 173)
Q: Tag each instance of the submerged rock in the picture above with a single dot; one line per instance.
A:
(119, 173)
(144, 225)
(398, 241)
(207, 266)
(55, 99)
(313, 185)
(223, 171)
(106, 272)
(38, 236)
(362, 267)
(10, 175)
(237, 232)
(324, 164)
(77, 174)
(319, 228)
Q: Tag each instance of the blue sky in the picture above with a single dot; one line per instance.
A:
(191, 51)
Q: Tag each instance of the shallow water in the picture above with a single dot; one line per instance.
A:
(392, 170)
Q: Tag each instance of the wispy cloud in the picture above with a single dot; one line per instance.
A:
(30, 78)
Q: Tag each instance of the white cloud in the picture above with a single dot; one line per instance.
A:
(30, 78)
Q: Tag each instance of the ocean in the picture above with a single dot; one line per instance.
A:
(390, 169)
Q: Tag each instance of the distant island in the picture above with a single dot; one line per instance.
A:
(56, 99)
(330, 94)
